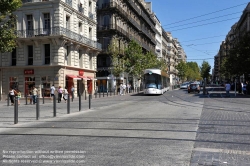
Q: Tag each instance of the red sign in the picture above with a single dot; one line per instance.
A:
(28, 71)
(81, 72)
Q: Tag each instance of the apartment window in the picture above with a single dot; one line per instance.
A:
(90, 6)
(90, 32)
(30, 55)
(46, 21)
(13, 57)
(90, 61)
(67, 22)
(106, 21)
(29, 22)
(30, 25)
(80, 28)
(47, 53)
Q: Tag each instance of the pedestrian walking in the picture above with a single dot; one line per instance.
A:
(228, 88)
(129, 86)
(34, 94)
(12, 95)
(244, 88)
(121, 89)
(72, 92)
(124, 89)
(65, 94)
(31, 96)
(19, 96)
(60, 92)
(52, 91)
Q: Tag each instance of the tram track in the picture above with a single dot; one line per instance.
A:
(168, 99)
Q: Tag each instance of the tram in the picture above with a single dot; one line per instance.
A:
(155, 81)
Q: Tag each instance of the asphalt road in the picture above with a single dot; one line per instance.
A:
(174, 129)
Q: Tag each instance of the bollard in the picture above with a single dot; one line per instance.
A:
(16, 110)
(110, 93)
(114, 92)
(8, 100)
(43, 98)
(85, 95)
(37, 108)
(95, 94)
(103, 93)
(54, 106)
(80, 104)
(107, 93)
(68, 104)
(90, 101)
(72, 98)
(99, 94)
(26, 99)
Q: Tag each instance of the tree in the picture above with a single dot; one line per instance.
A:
(8, 24)
(182, 70)
(205, 69)
(116, 58)
(238, 60)
(193, 71)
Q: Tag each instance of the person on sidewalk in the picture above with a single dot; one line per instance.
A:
(52, 91)
(12, 95)
(19, 96)
(124, 89)
(34, 94)
(121, 89)
(60, 92)
(65, 94)
(228, 88)
(73, 92)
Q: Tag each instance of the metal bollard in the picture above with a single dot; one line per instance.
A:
(68, 104)
(80, 104)
(107, 93)
(54, 106)
(85, 95)
(90, 101)
(110, 93)
(103, 93)
(16, 111)
(8, 100)
(114, 92)
(99, 94)
(37, 108)
(43, 98)
(26, 100)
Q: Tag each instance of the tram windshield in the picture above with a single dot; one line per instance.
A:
(152, 81)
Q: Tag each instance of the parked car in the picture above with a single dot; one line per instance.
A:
(184, 86)
(194, 87)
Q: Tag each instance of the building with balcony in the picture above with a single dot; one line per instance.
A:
(121, 21)
(158, 37)
(56, 44)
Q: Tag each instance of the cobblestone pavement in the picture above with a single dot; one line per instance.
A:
(223, 136)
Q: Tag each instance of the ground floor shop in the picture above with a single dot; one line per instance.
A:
(43, 78)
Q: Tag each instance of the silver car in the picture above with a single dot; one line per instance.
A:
(184, 86)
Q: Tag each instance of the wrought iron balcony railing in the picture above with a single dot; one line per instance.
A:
(55, 31)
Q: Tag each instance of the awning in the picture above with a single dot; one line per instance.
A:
(91, 78)
(84, 77)
(72, 76)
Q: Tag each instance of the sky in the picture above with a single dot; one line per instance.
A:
(199, 25)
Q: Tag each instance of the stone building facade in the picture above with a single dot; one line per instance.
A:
(56, 44)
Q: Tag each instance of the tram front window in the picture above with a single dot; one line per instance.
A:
(152, 81)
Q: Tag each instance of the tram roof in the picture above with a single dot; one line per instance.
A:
(155, 71)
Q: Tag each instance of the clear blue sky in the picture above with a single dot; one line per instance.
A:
(199, 25)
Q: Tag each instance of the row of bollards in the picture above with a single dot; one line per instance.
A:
(54, 103)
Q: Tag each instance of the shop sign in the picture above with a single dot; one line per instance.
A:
(28, 71)
(81, 72)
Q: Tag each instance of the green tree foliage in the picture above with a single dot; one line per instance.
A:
(205, 69)
(134, 61)
(116, 58)
(193, 71)
(238, 60)
(182, 70)
(8, 24)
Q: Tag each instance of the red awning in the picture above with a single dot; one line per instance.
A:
(84, 77)
(72, 76)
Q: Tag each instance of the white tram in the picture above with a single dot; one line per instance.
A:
(155, 81)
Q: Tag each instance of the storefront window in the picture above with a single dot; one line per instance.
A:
(46, 86)
(29, 83)
(13, 82)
